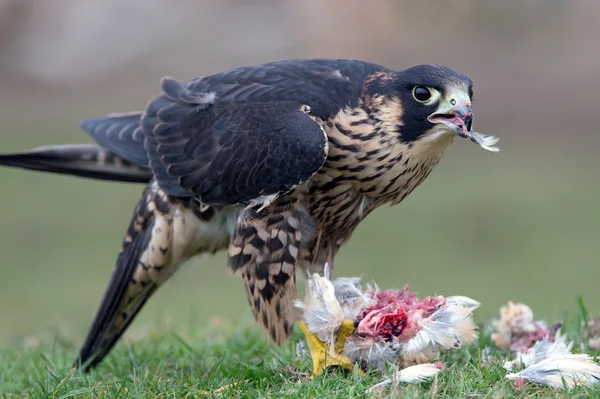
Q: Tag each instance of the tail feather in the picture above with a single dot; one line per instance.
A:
(83, 160)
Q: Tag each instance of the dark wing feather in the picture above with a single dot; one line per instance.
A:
(83, 160)
(120, 134)
(239, 134)
(229, 154)
(104, 333)
(324, 84)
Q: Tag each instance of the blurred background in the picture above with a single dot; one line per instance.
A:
(521, 225)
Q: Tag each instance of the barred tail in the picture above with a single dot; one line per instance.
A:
(83, 160)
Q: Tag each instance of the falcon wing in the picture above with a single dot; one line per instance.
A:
(239, 134)
(120, 134)
(229, 153)
(114, 314)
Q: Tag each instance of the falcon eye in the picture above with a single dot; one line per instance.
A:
(421, 93)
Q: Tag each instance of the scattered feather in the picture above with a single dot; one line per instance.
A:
(541, 350)
(549, 361)
(487, 356)
(413, 374)
(544, 350)
(542, 353)
(552, 364)
(302, 350)
(420, 372)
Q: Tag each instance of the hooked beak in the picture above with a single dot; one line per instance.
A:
(456, 113)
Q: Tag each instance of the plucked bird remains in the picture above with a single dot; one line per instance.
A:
(372, 328)
(517, 330)
(592, 332)
(541, 354)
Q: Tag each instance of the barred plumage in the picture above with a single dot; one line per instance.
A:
(278, 162)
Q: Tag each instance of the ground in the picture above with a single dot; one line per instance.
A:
(216, 361)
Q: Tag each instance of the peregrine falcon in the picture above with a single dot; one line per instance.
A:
(277, 163)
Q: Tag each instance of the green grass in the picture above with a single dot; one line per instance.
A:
(221, 361)
(521, 225)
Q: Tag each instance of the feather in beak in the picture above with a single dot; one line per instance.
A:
(486, 142)
(456, 114)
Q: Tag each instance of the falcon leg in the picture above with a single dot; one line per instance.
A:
(322, 358)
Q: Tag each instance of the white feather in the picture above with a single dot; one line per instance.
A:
(553, 364)
(349, 293)
(321, 310)
(544, 349)
(412, 374)
(262, 202)
(364, 204)
(486, 142)
(449, 327)
(574, 369)
(377, 354)
(464, 301)
(560, 337)
(327, 271)
(419, 372)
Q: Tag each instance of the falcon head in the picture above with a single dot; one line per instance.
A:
(425, 100)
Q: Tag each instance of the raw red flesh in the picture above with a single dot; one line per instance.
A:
(396, 314)
(525, 342)
(385, 322)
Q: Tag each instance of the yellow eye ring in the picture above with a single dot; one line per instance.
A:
(421, 94)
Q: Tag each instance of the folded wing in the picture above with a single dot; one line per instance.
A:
(229, 153)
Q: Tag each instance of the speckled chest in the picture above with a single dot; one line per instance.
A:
(367, 166)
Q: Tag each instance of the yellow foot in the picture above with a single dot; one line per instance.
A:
(320, 353)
